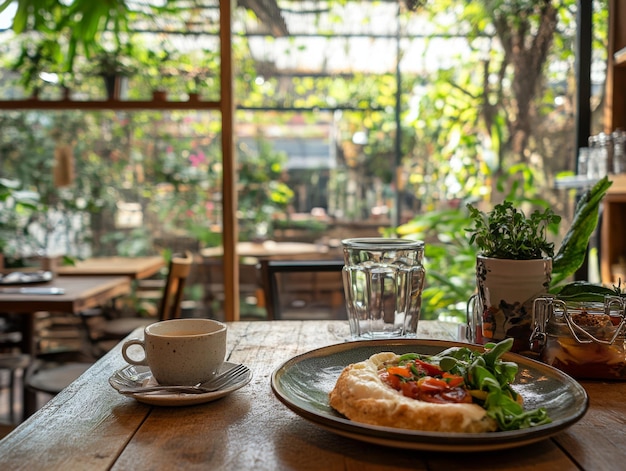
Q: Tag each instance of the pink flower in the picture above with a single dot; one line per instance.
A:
(197, 159)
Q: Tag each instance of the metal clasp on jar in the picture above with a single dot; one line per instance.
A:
(544, 309)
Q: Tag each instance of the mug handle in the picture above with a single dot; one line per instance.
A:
(143, 361)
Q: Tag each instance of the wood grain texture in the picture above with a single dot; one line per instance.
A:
(90, 426)
(136, 268)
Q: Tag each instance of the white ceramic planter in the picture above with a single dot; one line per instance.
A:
(503, 305)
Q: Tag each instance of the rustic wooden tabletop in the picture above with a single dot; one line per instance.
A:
(91, 426)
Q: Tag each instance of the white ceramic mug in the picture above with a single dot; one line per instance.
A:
(181, 351)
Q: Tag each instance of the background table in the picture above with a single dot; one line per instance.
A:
(269, 248)
(137, 268)
(90, 426)
(80, 294)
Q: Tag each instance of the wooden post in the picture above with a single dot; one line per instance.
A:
(229, 182)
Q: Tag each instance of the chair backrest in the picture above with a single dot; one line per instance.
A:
(269, 270)
(212, 275)
(179, 269)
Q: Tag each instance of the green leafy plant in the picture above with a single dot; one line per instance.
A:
(574, 246)
(498, 233)
(109, 63)
(506, 232)
(16, 206)
(37, 56)
(82, 22)
(262, 194)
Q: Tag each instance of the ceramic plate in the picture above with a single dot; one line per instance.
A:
(21, 278)
(141, 376)
(303, 384)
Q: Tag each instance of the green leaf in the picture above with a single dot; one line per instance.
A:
(494, 353)
(583, 291)
(510, 415)
(573, 250)
(448, 363)
(483, 379)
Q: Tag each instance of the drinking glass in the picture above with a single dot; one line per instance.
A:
(597, 166)
(583, 161)
(383, 280)
(619, 152)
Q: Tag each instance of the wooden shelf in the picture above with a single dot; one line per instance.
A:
(613, 226)
(35, 104)
(613, 229)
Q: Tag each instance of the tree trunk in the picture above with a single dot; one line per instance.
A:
(526, 48)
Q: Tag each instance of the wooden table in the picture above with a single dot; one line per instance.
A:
(90, 426)
(269, 248)
(80, 293)
(137, 268)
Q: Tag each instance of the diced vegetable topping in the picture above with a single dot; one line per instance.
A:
(463, 375)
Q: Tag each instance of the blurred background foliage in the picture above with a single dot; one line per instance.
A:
(491, 121)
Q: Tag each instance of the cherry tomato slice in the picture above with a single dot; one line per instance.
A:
(392, 380)
(410, 389)
(431, 370)
(449, 396)
(400, 371)
(453, 380)
(432, 385)
(456, 395)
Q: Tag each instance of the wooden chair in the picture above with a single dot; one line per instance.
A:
(10, 335)
(51, 374)
(303, 277)
(12, 363)
(12, 360)
(212, 278)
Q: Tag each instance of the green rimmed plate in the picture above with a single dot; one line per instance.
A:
(303, 383)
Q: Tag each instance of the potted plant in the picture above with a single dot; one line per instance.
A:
(199, 69)
(159, 70)
(114, 67)
(516, 263)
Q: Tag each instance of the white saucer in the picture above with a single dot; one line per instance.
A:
(141, 376)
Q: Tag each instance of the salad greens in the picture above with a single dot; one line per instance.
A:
(488, 379)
